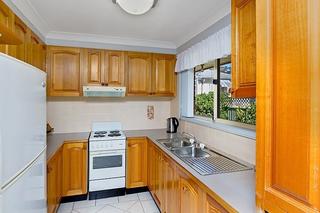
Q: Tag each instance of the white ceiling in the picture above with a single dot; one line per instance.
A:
(170, 24)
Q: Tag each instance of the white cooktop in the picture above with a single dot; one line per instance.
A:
(105, 131)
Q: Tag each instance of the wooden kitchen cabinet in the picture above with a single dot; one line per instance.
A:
(6, 21)
(212, 206)
(36, 51)
(64, 71)
(163, 75)
(243, 57)
(170, 186)
(54, 181)
(288, 85)
(139, 73)
(20, 30)
(137, 174)
(115, 68)
(93, 62)
(189, 194)
(103, 67)
(75, 171)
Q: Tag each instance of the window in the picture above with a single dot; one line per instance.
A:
(211, 96)
(205, 90)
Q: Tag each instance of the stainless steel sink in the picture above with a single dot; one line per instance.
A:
(191, 152)
(204, 161)
(175, 143)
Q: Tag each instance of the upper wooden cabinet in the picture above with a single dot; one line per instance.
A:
(151, 74)
(6, 24)
(243, 56)
(114, 66)
(288, 115)
(36, 51)
(75, 158)
(93, 62)
(137, 163)
(163, 75)
(64, 71)
(20, 30)
(139, 73)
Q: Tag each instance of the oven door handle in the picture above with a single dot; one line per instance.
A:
(93, 154)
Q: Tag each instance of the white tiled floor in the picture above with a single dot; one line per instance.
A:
(132, 203)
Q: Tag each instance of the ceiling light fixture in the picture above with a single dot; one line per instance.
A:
(136, 7)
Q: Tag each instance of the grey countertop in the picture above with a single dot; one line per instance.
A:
(237, 188)
(55, 140)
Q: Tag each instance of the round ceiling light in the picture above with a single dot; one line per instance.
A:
(136, 7)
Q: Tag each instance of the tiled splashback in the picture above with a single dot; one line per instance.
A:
(77, 115)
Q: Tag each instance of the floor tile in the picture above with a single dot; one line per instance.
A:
(65, 207)
(123, 205)
(84, 203)
(110, 209)
(130, 197)
(136, 208)
(93, 209)
(105, 201)
(149, 206)
(144, 196)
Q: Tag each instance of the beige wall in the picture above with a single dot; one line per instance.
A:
(240, 147)
(77, 114)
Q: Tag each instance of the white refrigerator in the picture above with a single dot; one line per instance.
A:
(22, 137)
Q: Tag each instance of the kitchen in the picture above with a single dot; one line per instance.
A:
(212, 109)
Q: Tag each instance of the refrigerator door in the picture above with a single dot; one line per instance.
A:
(22, 116)
(27, 193)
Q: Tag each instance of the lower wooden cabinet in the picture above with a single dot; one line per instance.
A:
(54, 181)
(74, 169)
(212, 206)
(174, 189)
(66, 173)
(190, 195)
(137, 175)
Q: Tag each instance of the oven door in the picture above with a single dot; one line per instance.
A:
(107, 164)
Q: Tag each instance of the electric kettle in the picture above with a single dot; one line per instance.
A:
(172, 125)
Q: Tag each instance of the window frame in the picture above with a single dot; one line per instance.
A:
(234, 127)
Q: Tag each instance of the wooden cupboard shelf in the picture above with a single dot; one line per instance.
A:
(8, 37)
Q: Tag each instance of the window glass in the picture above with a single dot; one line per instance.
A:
(205, 91)
(233, 109)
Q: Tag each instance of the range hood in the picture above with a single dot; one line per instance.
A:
(103, 91)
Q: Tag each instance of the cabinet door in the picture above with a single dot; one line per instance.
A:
(54, 182)
(64, 71)
(93, 67)
(139, 74)
(163, 75)
(288, 115)
(158, 184)
(21, 31)
(115, 68)
(151, 167)
(212, 206)
(190, 197)
(243, 48)
(170, 186)
(36, 51)
(74, 169)
(52, 185)
(6, 20)
(137, 162)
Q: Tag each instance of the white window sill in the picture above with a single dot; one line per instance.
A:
(243, 132)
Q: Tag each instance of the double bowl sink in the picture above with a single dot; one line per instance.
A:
(203, 160)
(183, 148)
